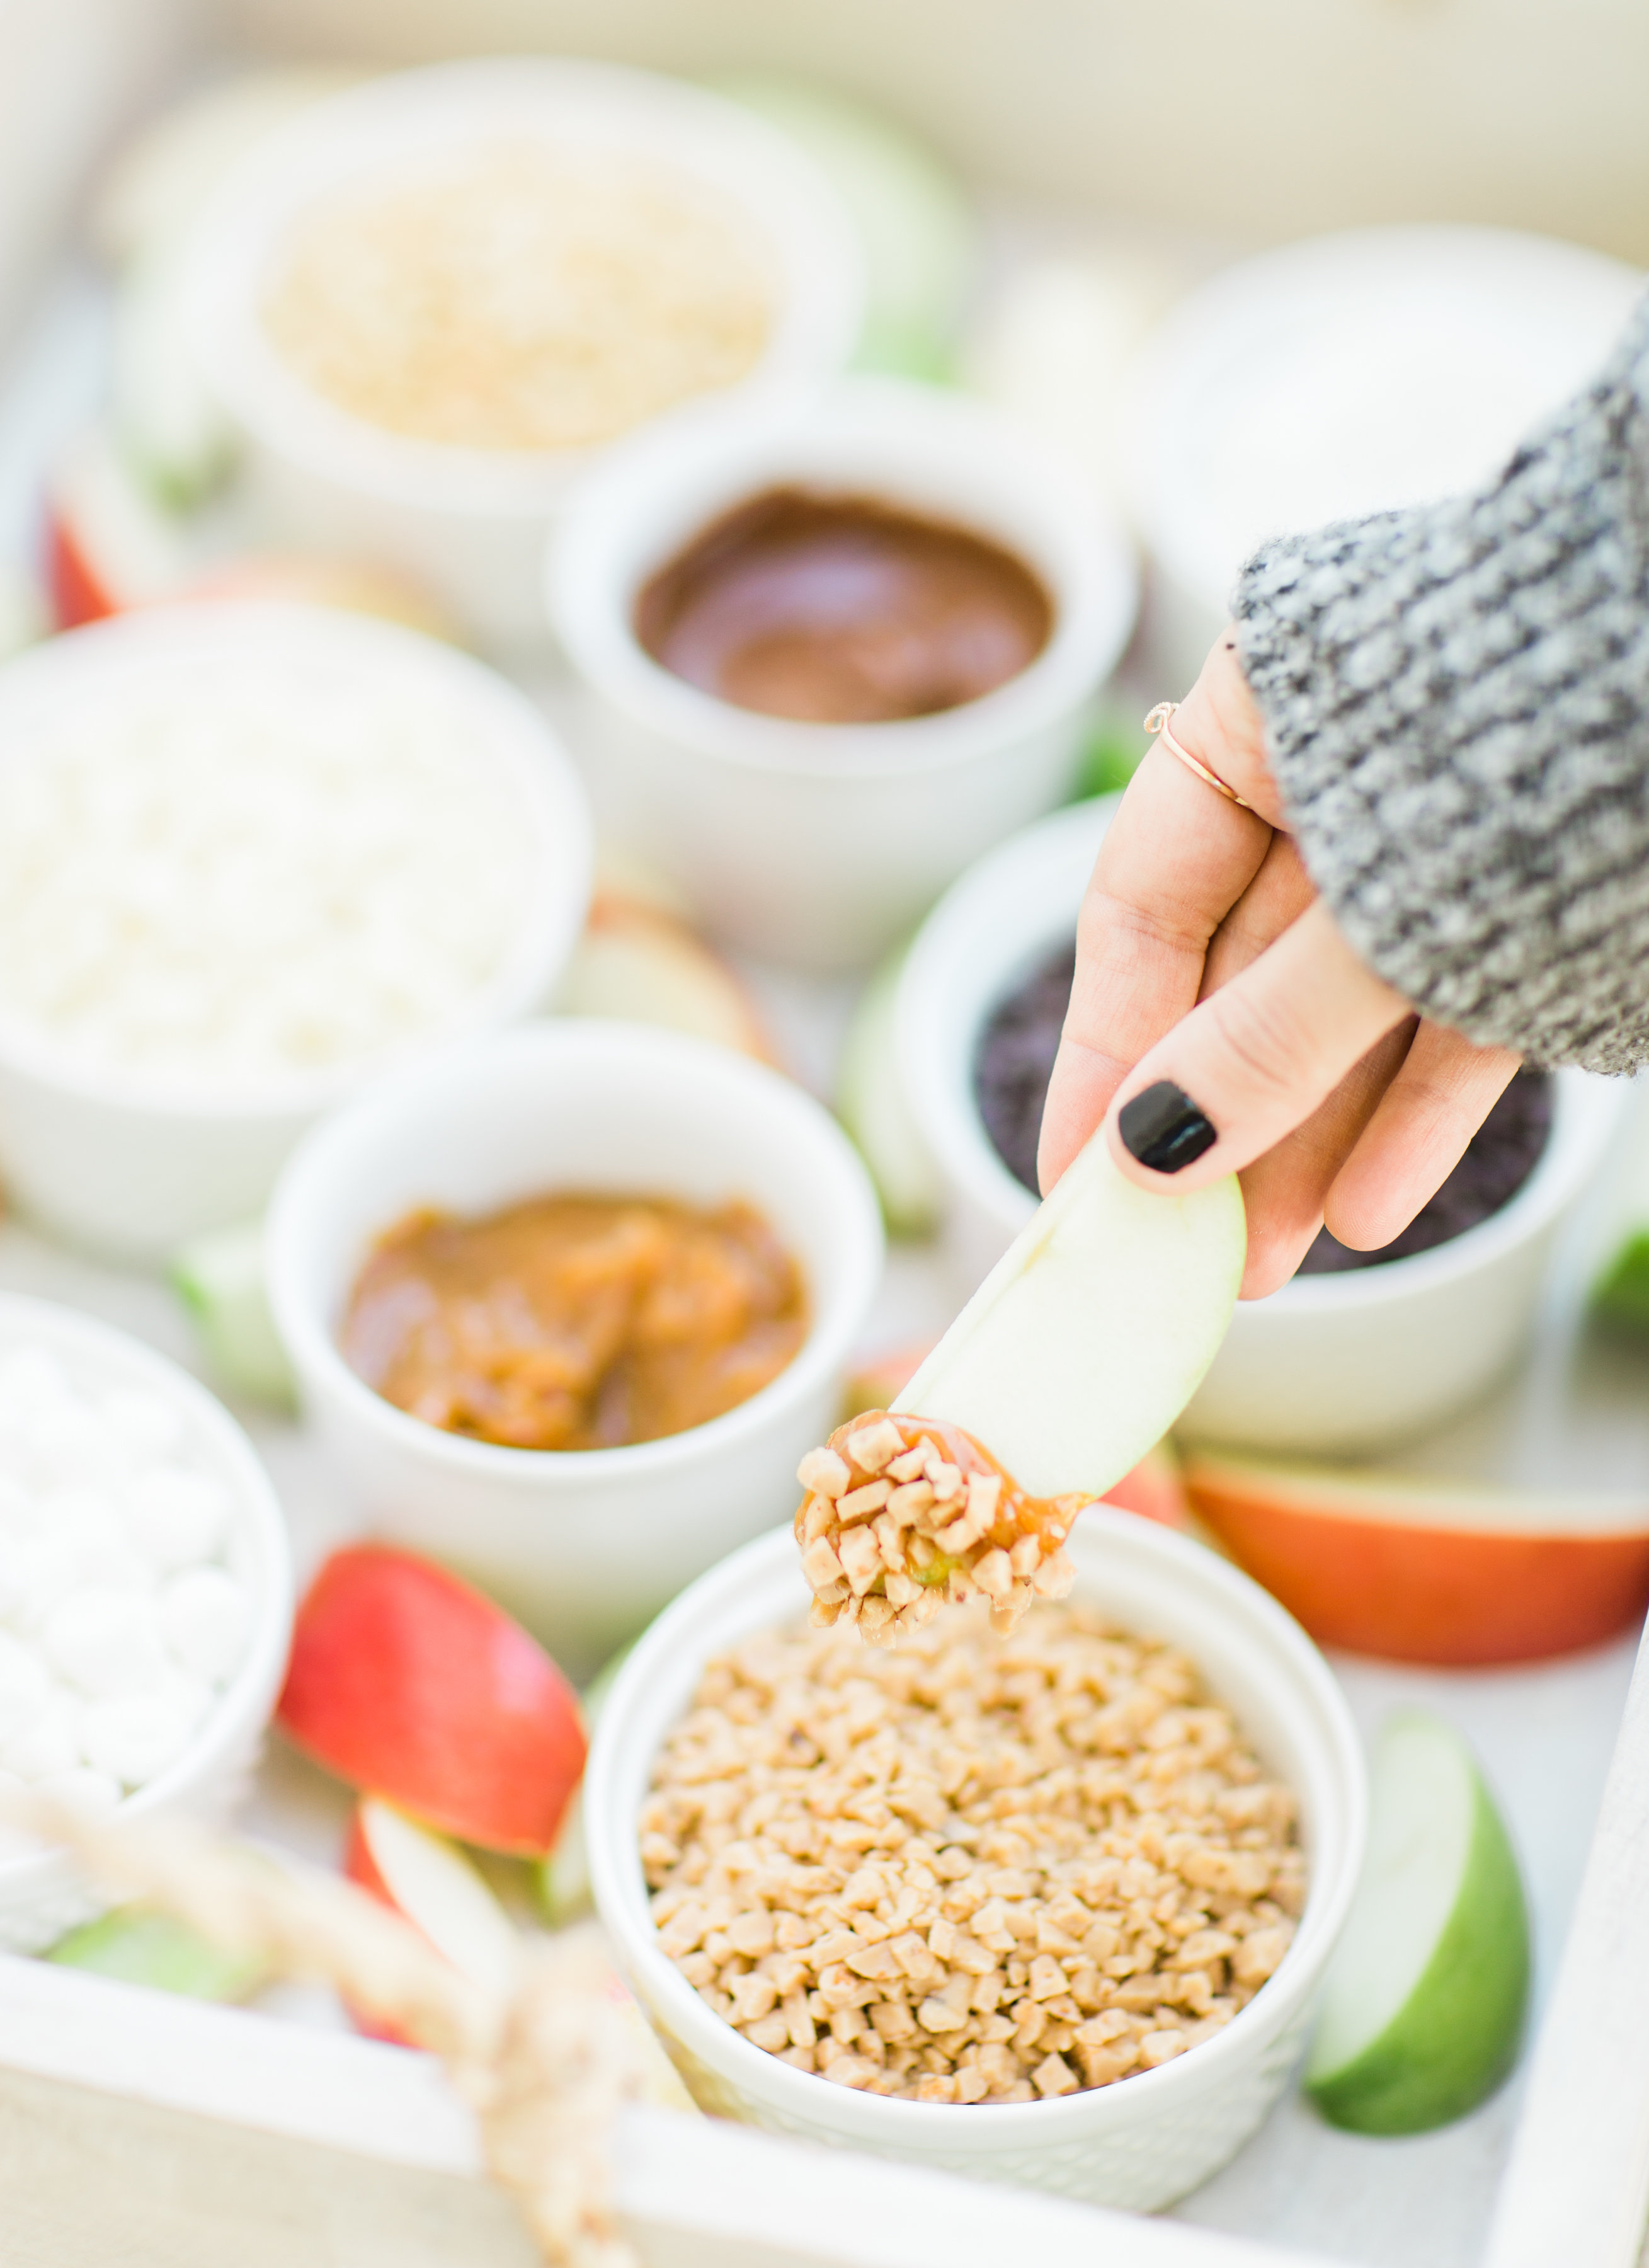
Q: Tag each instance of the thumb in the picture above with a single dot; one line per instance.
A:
(1252, 1061)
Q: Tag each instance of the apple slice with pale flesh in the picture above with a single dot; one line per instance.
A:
(1419, 1569)
(1094, 1329)
(1426, 1995)
(1154, 1488)
(1068, 1365)
(431, 1884)
(639, 965)
(872, 1105)
(408, 1683)
(219, 1278)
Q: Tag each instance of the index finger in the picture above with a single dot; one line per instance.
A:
(1174, 860)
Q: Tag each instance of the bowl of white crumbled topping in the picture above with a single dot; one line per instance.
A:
(1052, 1909)
(251, 857)
(145, 1596)
(425, 304)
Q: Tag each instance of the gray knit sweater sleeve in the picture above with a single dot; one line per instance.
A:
(1457, 701)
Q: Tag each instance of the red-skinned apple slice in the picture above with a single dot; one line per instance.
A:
(641, 966)
(431, 1884)
(409, 1684)
(1429, 1571)
(1092, 1331)
(109, 545)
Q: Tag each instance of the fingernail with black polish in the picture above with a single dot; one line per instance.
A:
(1164, 1129)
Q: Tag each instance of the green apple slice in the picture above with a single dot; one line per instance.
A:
(871, 1104)
(1426, 1995)
(1092, 1331)
(219, 1278)
(563, 1877)
(915, 226)
(138, 1947)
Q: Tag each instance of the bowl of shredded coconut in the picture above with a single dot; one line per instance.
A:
(145, 1597)
(427, 303)
(250, 858)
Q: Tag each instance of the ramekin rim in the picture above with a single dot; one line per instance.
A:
(314, 1351)
(246, 1703)
(708, 2036)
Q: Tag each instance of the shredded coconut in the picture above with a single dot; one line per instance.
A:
(243, 871)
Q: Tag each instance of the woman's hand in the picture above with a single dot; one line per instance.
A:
(1220, 1023)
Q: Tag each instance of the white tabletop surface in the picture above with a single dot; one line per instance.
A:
(1578, 1410)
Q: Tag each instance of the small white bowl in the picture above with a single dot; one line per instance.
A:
(584, 1544)
(1348, 373)
(1341, 1364)
(822, 844)
(41, 1894)
(1138, 2144)
(469, 522)
(133, 1163)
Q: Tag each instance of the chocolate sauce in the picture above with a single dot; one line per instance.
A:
(1015, 1060)
(839, 610)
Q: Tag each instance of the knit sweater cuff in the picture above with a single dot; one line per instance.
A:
(1457, 704)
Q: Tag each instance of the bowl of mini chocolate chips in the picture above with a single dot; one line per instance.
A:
(1361, 1349)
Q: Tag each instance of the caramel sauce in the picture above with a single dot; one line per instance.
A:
(904, 1513)
(576, 1321)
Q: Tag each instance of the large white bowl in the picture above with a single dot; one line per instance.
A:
(471, 522)
(132, 1164)
(1139, 2143)
(1348, 374)
(822, 844)
(1343, 1363)
(584, 1544)
(41, 1894)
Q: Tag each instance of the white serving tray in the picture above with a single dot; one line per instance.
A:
(162, 2134)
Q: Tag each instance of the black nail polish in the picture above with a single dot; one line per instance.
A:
(1164, 1129)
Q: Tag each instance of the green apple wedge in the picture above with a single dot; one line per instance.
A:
(563, 1877)
(1092, 1331)
(871, 1104)
(219, 1278)
(138, 1947)
(916, 228)
(1426, 1995)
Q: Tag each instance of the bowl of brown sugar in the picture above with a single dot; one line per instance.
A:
(1048, 1908)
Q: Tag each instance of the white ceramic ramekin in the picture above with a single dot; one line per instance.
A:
(584, 1544)
(1345, 1363)
(470, 523)
(132, 1165)
(822, 844)
(1139, 2143)
(41, 1894)
(1348, 374)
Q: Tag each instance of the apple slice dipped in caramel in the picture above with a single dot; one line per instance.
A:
(904, 1514)
(1069, 1362)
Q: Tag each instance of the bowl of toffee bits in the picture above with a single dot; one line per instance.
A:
(1362, 1348)
(1047, 1908)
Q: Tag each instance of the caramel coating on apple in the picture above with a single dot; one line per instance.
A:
(904, 1514)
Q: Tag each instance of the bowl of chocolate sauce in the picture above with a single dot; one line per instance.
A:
(832, 609)
(825, 658)
(1362, 1350)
